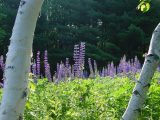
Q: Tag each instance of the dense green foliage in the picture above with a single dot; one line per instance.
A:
(90, 99)
(111, 28)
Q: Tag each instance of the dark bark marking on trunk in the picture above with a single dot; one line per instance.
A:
(137, 110)
(21, 12)
(24, 94)
(20, 117)
(155, 31)
(10, 67)
(139, 82)
(156, 57)
(23, 2)
(150, 55)
(147, 85)
(136, 92)
(4, 112)
(149, 61)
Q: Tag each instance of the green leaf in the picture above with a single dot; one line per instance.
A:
(28, 105)
(32, 86)
(144, 6)
(147, 6)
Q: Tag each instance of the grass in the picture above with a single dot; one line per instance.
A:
(89, 99)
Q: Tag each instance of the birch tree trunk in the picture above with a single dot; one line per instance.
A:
(139, 93)
(18, 61)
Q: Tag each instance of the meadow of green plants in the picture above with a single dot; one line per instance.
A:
(103, 98)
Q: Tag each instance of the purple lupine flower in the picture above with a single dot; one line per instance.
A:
(47, 66)
(85, 74)
(67, 67)
(76, 60)
(120, 66)
(123, 64)
(2, 64)
(133, 67)
(128, 67)
(63, 69)
(103, 72)
(67, 62)
(111, 70)
(2, 67)
(137, 64)
(59, 73)
(118, 70)
(106, 72)
(34, 68)
(45, 56)
(38, 64)
(70, 71)
(131, 62)
(45, 62)
(158, 68)
(81, 58)
(1, 61)
(62, 74)
(49, 73)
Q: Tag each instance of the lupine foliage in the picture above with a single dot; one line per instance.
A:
(88, 99)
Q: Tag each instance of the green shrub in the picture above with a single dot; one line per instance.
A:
(89, 99)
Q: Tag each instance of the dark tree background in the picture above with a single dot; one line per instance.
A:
(110, 28)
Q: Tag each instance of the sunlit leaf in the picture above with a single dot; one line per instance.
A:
(28, 105)
(143, 6)
(32, 86)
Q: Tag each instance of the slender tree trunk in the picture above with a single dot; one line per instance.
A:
(139, 93)
(18, 61)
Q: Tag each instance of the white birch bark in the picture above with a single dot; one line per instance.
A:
(139, 93)
(18, 61)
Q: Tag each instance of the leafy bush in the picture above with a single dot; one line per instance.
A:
(89, 99)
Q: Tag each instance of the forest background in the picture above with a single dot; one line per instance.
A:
(110, 28)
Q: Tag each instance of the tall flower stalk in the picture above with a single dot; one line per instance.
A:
(81, 58)
(47, 66)
(76, 60)
(34, 70)
(38, 64)
(2, 64)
